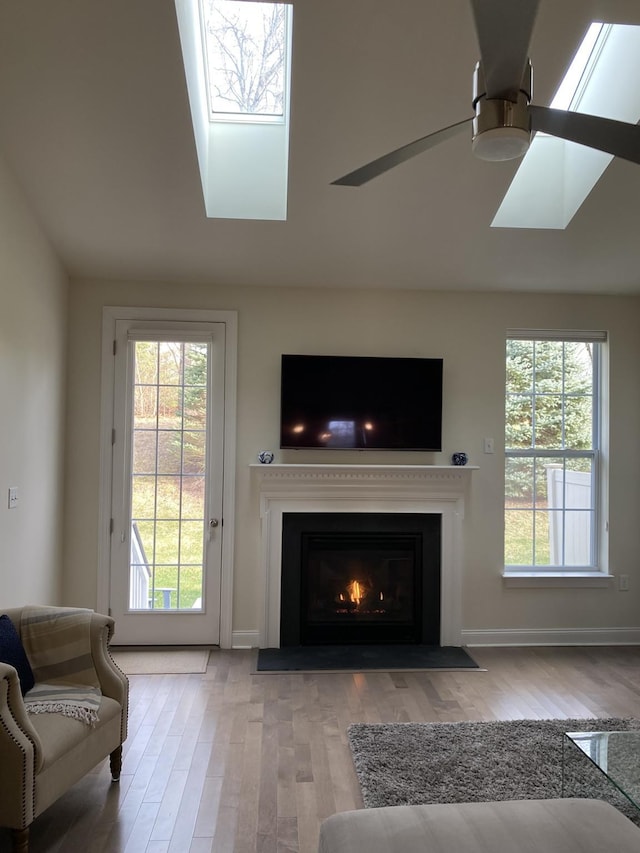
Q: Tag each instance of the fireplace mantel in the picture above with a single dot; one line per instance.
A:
(283, 488)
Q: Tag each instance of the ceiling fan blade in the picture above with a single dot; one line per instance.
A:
(377, 167)
(605, 134)
(504, 30)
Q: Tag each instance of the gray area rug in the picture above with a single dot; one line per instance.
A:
(416, 763)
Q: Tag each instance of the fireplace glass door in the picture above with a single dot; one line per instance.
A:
(360, 587)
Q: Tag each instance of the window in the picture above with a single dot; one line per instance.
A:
(552, 444)
(237, 62)
(555, 175)
(168, 473)
(246, 52)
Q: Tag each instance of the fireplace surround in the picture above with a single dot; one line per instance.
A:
(360, 488)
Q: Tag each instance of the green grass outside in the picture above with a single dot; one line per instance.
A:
(518, 537)
(181, 571)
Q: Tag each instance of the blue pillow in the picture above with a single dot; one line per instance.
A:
(12, 652)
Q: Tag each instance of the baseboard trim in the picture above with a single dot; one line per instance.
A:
(510, 637)
(245, 640)
(552, 637)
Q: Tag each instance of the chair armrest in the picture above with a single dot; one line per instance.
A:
(21, 753)
(113, 682)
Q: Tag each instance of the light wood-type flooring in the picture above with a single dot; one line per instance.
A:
(231, 760)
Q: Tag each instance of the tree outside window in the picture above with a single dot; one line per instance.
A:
(246, 45)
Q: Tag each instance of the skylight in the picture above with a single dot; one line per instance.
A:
(556, 176)
(245, 49)
(237, 58)
(567, 96)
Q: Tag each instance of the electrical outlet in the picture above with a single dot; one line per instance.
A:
(13, 497)
(623, 583)
(488, 445)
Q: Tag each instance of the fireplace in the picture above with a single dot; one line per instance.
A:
(360, 578)
(279, 489)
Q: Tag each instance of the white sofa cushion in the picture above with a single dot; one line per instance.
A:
(534, 826)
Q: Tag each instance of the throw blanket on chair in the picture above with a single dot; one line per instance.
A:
(57, 643)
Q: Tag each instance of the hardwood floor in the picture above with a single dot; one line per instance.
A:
(237, 761)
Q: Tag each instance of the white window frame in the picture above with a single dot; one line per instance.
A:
(597, 574)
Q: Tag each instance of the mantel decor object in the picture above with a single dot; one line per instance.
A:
(459, 459)
(266, 457)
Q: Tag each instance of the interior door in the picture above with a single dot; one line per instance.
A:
(167, 478)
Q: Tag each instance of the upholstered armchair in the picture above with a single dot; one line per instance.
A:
(48, 748)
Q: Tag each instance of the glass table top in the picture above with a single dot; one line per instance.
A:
(617, 755)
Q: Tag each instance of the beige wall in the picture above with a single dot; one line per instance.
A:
(33, 303)
(468, 331)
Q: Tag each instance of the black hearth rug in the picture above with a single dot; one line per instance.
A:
(352, 657)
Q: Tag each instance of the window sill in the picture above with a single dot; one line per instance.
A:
(557, 579)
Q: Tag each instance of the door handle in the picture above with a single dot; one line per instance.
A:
(213, 522)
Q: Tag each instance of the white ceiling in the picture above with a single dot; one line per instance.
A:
(94, 120)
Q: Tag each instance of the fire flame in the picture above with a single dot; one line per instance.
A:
(356, 592)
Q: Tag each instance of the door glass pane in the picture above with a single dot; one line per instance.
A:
(144, 451)
(167, 497)
(170, 361)
(169, 459)
(170, 407)
(193, 497)
(169, 440)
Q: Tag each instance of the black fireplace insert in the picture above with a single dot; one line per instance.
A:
(360, 578)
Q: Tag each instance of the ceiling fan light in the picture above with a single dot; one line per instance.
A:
(501, 143)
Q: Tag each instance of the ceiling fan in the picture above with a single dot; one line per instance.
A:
(504, 116)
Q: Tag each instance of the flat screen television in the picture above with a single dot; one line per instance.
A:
(361, 402)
